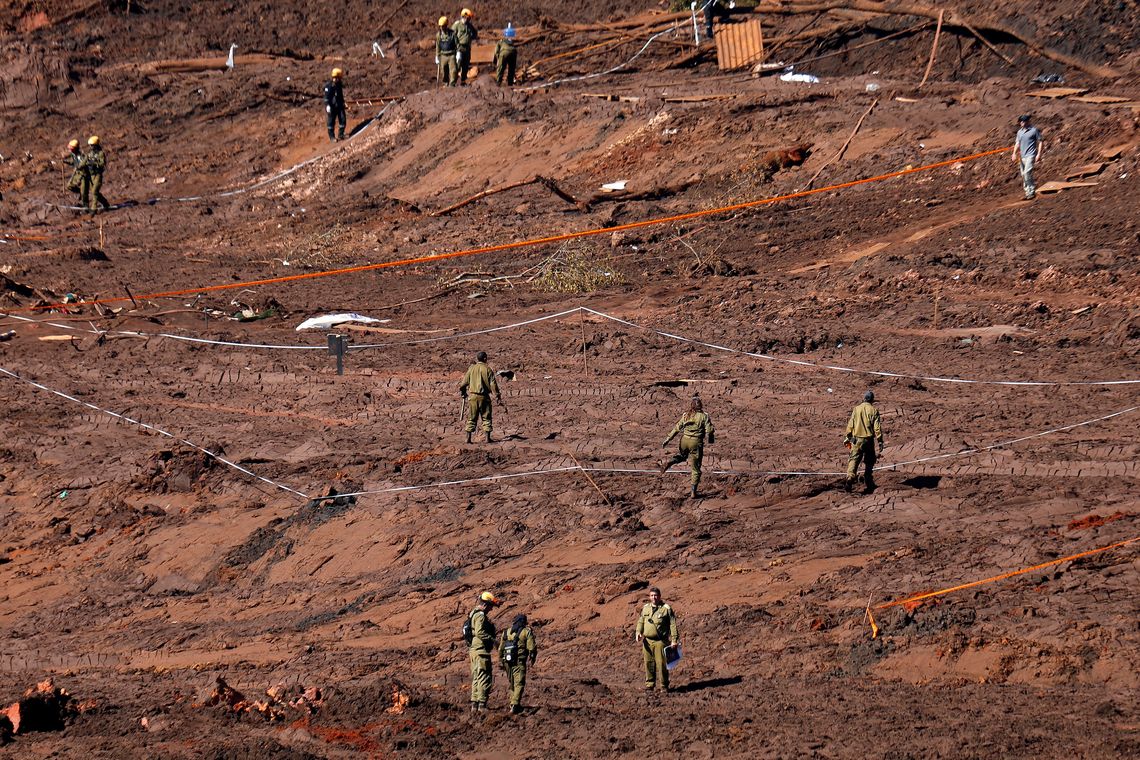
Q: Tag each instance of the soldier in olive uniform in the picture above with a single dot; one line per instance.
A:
(480, 648)
(694, 427)
(446, 47)
(656, 629)
(94, 164)
(863, 429)
(477, 386)
(465, 36)
(517, 652)
(75, 158)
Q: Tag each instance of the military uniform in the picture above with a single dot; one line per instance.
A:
(506, 58)
(525, 654)
(694, 428)
(75, 183)
(658, 628)
(446, 47)
(335, 110)
(94, 164)
(482, 644)
(465, 36)
(477, 386)
(863, 429)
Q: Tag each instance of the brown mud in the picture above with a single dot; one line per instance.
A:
(137, 569)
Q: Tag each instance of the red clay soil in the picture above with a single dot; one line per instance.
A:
(136, 568)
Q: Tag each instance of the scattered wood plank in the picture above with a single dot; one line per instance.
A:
(538, 179)
(1088, 170)
(933, 50)
(1053, 93)
(1102, 99)
(1057, 187)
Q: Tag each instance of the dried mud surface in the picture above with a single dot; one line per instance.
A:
(136, 569)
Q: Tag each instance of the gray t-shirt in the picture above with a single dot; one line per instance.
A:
(1028, 138)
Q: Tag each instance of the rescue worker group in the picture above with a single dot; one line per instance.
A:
(657, 631)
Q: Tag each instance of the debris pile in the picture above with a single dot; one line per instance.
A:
(44, 707)
(277, 704)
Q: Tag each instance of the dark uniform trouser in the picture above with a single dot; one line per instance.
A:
(862, 450)
(75, 184)
(464, 63)
(653, 651)
(335, 116)
(506, 65)
(692, 449)
(89, 192)
(478, 405)
(449, 69)
(516, 677)
(480, 677)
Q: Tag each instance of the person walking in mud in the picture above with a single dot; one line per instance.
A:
(465, 36)
(656, 625)
(480, 635)
(335, 110)
(75, 183)
(94, 164)
(476, 389)
(506, 58)
(695, 427)
(517, 652)
(864, 428)
(1027, 149)
(446, 47)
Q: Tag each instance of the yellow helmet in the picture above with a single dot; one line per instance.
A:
(337, 73)
(73, 144)
(490, 598)
(93, 140)
(466, 13)
(443, 20)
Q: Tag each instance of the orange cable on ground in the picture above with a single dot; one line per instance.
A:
(1003, 576)
(526, 243)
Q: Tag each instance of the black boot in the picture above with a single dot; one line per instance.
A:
(469, 441)
(489, 440)
(693, 492)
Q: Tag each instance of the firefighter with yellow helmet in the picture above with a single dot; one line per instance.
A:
(465, 36)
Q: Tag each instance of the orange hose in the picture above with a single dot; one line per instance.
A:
(527, 243)
(1003, 576)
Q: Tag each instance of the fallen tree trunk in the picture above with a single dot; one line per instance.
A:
(952, 17)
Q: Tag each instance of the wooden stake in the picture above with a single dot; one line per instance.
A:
(933, 49)
(937, 296)
(582, 469)
(843, 148)
(585, 365)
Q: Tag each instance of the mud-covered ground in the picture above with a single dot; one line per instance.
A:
(136, 569)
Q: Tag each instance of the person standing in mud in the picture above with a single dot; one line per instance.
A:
(656, 626)
(94, 164)
(465, 36)
(506, 58)
(335, 110)
(694, 427)
(446, 47)
(476, 389)
(715, 8)
(75, 183)
(517, 652)
(1027, 149)
(864, 428)
(479, 647)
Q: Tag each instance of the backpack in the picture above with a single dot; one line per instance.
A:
(513, 653)
(468, 629)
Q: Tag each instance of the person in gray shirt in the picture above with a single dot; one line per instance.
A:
(1027, 149)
